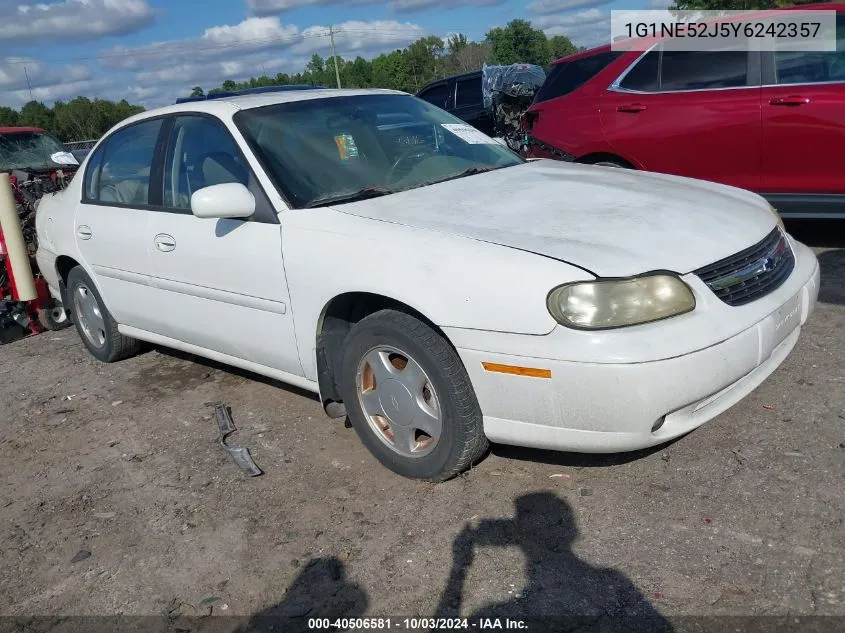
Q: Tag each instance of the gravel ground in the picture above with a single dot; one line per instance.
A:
(115, 498)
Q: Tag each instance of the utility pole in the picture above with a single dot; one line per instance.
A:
(334, 55)
(28, 85)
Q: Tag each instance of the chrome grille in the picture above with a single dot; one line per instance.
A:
(752, 273)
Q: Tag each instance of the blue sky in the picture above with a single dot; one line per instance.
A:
(151, 51)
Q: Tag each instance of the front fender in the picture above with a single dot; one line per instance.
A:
(455, 282)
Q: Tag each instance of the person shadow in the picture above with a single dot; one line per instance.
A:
(562, 591)
(321, 590)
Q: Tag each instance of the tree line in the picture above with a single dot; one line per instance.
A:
(79, 119)
(407, 69)
(424, 60)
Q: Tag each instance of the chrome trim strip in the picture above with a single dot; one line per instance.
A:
(672, 92)
(805, 83)
(616, 87)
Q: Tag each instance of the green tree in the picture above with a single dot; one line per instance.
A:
(456, 43)
(391, 71)
(36, 114)
(229, 85)
(358, 73)
(197, 92)
(519, 43)
(422, 58)
(79, 119)
(561, 46)
(316, 66)
(472, 57)
(8, 117)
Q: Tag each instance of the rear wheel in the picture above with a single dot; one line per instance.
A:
(409, 397)
(96, 326)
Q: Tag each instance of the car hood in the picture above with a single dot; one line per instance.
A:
(611, 222)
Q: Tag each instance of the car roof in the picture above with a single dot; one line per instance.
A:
(443, 80)
(13, 130)
(227, 106)
(839, 7)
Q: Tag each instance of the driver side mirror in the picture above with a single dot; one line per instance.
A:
(229, 200)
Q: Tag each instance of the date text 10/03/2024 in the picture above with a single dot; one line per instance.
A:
(415, 624)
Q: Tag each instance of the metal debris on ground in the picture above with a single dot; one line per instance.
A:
(80, 556)
(240, 454)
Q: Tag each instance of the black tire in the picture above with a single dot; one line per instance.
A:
(115, 346)
(54, 317)
(462, 440)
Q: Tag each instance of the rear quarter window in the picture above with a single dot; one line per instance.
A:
(567, 76)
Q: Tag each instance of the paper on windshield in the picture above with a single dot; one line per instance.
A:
(468, 134)
(64, 158)
(346, 146)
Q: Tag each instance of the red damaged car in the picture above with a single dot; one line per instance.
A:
(770, 122)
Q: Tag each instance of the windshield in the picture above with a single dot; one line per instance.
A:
(28, 150)
(345, 148)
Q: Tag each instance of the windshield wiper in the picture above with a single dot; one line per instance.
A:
(361, 194)
(472, 171)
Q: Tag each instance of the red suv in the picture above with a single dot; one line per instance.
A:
(771, 122)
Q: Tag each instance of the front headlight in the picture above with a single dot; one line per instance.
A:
(612, 303)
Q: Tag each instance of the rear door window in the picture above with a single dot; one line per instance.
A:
(437, 95)
(567, 76)
(812, 67)
(643, 76)
(468, 92)
(123, 168)
(703, 70)
(663, 70)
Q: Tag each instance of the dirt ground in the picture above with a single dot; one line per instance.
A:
(115, 498)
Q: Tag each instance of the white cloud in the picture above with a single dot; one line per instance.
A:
(221, 50)
(47, 82)
(275, 7)
(359, 38)
(407, 6)
(73, 19)
(165, 70)
(588, 28)
(544, 7)
(18, 73)
(63, 91)
(590, 16)
(660, 4)
(253, 35)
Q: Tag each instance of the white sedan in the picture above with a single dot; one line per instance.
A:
(421, 278)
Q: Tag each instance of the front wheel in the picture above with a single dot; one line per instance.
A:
(95, 324)
(409, 397)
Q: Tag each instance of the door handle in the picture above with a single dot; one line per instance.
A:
(791, 100)
(84, 232)
(631, 107)
(164, 242)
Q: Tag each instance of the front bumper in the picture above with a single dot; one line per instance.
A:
(605, 407)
